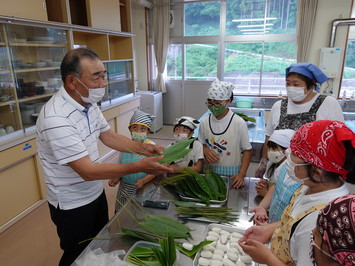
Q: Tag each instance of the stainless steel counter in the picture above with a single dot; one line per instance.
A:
(109, 239)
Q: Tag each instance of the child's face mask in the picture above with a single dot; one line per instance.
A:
(139, 136)
(275, 156)
(217, 111)
(180, 136)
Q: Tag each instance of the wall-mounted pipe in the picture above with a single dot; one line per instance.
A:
(335, 24)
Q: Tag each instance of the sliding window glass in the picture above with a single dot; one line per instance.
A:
(257, 17)
(347, 89)
(246, 42)
(277, 56)
(174, 62)
(242, 66)
(202, 18)
(201, 61)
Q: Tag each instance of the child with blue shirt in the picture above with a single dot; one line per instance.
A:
(282, 187)
(139, 127)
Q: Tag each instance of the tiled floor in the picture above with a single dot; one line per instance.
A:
(33, 240)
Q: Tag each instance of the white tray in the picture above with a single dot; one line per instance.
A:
(227, 228)
(212, 202)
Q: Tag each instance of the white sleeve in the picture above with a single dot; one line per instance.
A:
(244, 136)
(198, 151)
(330, 110)
(300, 242)
(274, 118)
(201, 130)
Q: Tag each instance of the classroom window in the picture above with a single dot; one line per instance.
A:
(174, 62)
(347, 89)
(202, 18)
(201, 62)
(224, 39)
(260, 17)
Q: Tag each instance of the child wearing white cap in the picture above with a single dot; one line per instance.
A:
(225, 135)
(183, 129)
(139, 127)
(281, 186)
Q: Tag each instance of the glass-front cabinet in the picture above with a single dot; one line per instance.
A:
(9, 109)
(119, 79)
(30, 73)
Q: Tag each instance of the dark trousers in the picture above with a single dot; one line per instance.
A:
(79, 224)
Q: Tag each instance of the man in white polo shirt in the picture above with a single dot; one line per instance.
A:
(68, 129)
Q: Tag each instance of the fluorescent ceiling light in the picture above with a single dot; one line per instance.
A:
(252, 26)
(252, 19)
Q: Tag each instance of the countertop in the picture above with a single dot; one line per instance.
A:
(109, 239)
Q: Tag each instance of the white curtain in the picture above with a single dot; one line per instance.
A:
(306, 16)
(161, 21)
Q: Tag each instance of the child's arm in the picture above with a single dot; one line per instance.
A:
(140, 182)
(239, 178)
(114, 181)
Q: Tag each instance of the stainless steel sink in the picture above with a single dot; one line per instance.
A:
(349, 116)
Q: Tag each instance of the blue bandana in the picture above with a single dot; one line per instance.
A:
(308, 70)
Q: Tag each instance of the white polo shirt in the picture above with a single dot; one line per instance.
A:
(66, 131)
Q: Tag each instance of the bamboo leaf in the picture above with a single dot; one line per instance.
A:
(195, 249)
(162, 226)
(176, 151)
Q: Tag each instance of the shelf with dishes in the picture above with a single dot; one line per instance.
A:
(36, 97)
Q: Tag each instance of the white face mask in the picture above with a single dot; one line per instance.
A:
(180, 136)
(296, 94)
(139, 136)
(275, 156)
(95, 95)
(290, 166)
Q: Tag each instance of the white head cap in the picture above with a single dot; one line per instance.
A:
(220, 90)
(187, 121)
(282, 137)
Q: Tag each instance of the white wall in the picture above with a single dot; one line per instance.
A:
(328, 10)
(139, 44)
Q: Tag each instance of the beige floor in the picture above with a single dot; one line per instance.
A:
(33, 240)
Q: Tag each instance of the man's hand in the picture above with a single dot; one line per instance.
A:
(149, 165)
(151, 149)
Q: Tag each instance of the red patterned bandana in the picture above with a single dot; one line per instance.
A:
(336, 224)
(320, 143)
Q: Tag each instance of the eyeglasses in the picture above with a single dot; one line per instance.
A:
(215, 104)
(321, 250)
